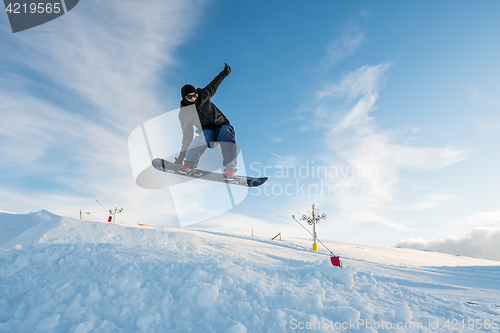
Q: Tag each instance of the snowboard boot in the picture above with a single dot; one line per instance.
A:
(229, 174)
(187, 167)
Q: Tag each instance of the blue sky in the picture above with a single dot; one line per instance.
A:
(408, 90)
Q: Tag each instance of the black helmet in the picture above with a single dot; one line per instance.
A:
(186, 90)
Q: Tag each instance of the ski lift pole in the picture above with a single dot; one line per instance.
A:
(312, 220)
(117, 210)
(293, 216)
(315, 236)
(335, 260)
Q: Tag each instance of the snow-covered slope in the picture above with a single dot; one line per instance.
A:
(64, 275)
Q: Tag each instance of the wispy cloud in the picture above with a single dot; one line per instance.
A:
(365, 82)
(352, 36)
(357, 139)
(69, 100)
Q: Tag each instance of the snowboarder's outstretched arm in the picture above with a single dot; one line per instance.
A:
(211, 88)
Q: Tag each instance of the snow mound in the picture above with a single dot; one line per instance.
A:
(66, 275)
(47, 228)
(12, 225)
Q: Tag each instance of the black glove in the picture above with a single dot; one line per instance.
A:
(227, 69)
(180, 160)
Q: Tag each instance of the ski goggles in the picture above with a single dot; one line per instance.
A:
(191, 96)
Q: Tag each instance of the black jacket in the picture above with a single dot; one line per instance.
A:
(209, 116)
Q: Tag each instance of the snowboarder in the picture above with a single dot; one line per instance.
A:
(214, 126)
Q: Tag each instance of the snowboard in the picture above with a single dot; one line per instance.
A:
(166, 166)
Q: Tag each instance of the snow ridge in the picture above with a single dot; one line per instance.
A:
(66, 275)
(53, 229)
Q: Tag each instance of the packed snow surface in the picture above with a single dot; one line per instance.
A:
(64, 275)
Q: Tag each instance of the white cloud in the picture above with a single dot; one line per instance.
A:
(365, 82)
(82, 89)
(352, 37)
(479, 243)
(111, 60)
(358, 117)
(357, 139)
